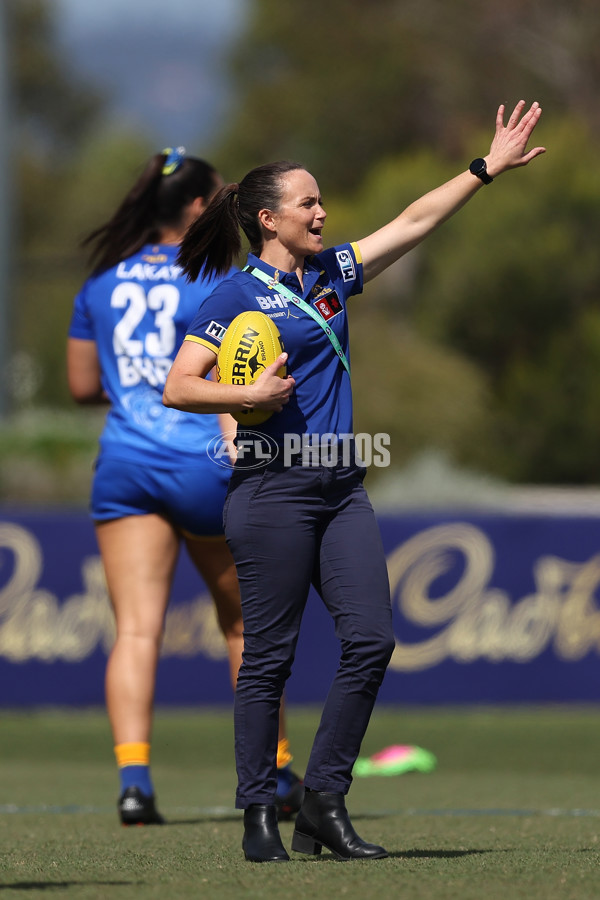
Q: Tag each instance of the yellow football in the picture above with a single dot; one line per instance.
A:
(251, 343)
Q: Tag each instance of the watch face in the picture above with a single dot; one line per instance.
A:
(479, 168)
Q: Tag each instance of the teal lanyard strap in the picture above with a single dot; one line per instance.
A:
(298, 301)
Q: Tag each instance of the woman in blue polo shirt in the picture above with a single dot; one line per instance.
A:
(305, 518)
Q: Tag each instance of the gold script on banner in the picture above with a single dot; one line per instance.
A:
(472, 620)
(35, 625)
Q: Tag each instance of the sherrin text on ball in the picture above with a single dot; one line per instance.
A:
(251, 343)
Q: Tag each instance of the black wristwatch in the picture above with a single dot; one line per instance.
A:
(479, 168)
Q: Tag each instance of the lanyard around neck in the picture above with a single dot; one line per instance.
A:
(302, 304)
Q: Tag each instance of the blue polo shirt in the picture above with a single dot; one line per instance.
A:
(322, 400)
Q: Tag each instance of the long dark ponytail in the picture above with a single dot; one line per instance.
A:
(168, 183)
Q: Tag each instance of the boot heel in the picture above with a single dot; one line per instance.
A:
(323, 821)
(303, 843)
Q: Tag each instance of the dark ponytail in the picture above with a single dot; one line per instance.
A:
(212, 243)
(157, 200)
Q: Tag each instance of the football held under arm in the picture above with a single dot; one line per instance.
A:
(187, 387)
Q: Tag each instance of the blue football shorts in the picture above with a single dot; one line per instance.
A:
(190, 497)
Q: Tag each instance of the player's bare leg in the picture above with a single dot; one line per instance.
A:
(139, 554)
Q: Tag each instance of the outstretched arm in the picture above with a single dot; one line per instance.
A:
(508, 151)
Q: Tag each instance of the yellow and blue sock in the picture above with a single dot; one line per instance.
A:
(285, 776)
(133, 760)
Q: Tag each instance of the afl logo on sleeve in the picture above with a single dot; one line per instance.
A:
(329, 305)
(346, 264)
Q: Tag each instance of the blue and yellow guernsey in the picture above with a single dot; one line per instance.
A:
(322, 400)
(137, 313)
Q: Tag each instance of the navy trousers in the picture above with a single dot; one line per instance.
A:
(288, 528)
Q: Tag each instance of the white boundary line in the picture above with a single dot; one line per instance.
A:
(212, 811)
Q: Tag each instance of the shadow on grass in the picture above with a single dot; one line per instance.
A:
(61, 885)
(439, 854)
(403, 854)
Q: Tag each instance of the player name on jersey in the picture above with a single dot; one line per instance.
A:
(147, 272)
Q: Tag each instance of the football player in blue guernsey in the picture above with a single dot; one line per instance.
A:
(154, 487)
(294, 516)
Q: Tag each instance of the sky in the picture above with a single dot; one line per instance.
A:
(162, 65)
(220, 17)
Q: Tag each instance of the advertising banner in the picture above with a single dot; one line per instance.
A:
(487, 608)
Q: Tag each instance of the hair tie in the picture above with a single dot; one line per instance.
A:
(175, 157)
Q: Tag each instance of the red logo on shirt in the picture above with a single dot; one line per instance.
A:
(328, 306)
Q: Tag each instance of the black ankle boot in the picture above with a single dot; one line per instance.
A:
(261, 841)
(323, 820)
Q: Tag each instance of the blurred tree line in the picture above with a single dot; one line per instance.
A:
(483, 342)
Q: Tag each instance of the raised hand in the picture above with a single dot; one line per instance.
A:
(509, 146)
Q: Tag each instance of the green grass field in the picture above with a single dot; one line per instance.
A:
(512, 810)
